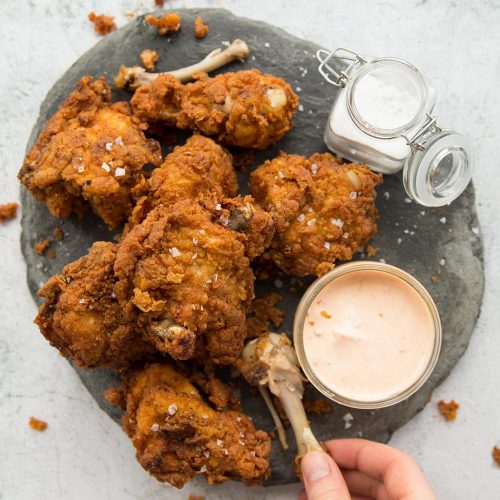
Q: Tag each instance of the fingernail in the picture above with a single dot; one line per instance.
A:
(315, 466)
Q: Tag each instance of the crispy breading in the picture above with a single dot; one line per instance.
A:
(324, 209)
(247, 109)
(103, 25)
(8, 211)
(168, 23)
(448, 410)
(90, 152)
(82, 318)
(178, 436)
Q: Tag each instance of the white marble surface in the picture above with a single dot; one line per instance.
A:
(83, 454)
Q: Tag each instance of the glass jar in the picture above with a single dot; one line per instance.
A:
(382, 117)
(301, 316)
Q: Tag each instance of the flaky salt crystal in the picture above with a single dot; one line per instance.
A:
(174, 252)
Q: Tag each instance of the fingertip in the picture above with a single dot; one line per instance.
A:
(303, 495)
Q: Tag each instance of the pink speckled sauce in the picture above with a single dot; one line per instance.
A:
(368, 335)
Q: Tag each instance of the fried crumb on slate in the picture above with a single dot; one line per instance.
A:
(200, 28)
(262, 312)
(37, 425)
(8, 211)
(149, 58)
(58, 233)
(103, 25)
(317, 406)
(448, 410)
(371, 251)
(41, 246)
(169, 23)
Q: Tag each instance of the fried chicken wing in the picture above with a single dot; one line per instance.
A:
(247, 108)
(324, 209)
(82, 318)
(194, 170)
(90, 152)
(189, 276)
(177, 435)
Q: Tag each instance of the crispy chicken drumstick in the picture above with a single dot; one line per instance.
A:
(324, 209)
(91, 152)
(177, 435)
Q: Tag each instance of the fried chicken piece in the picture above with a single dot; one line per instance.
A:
(91, 151)
(324, 210)
(198, 168)
(177, 435)
(82, 318)
(190, 276)
(8, 211)
(149, 58)
(168, 23)
(247, 108)
(200, 28)
(103, 25)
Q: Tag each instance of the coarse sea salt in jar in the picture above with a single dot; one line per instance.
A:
(381, 116)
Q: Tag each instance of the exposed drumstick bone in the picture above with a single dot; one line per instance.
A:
(134, 77)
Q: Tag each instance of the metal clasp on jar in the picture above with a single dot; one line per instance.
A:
(340, 78)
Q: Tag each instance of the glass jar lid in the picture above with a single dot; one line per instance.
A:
(439, 166)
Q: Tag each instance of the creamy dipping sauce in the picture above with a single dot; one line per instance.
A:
(368, 335)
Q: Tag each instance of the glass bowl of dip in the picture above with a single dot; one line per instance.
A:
(367, 335)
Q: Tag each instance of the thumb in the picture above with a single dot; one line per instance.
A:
(322, 478)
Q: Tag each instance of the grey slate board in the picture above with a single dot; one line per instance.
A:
(427, 236)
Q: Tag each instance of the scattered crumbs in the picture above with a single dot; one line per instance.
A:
(41, 246)
(149, 58)
(314, 169)
(155, 427)
(407, 200)
(8, 211)
(105, 166)
(37, 425)
(325, 314)
(318, 406)
(496, 455)
(475, 230)
(434, 278)
(174, 252)
(58, 233)
(348, 418)
(119, 172)
(399, 240)
(200, 28)
(103, 25)
(442, 262)
(371, 251)
(172, 409)
(387, 195)
(301, 108)
(448, 410)
(168, 23)
(301, 217)
(263, 311)
(442, 220)
(267, 45)
(51, 254)
(119, 141)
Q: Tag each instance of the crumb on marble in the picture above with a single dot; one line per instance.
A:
(200, 28)
(448, 410)
(149, 58)
(159, 3)
(8, 211)
(168, 23)
(496, 455)
(37, 425)
(103, 24)
(41, 246)
(58, 233)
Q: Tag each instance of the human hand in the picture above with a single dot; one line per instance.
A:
(358, 469)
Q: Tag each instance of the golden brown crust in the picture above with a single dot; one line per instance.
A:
(245, 109)
(103, 25)
(200, 28)
(149, 58)
(178, 436)
(8, 211)
(168, 23)
(324, 210)
(91, 151)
